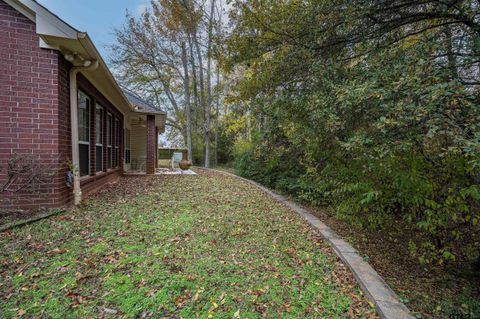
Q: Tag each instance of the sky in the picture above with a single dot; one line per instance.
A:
(96, 17)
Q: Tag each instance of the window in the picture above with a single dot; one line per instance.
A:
(109, 140)
(84, 132)
(99, 138)
(127, 146)
(117, 142)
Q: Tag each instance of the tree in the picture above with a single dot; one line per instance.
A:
(148, 62)
(186, 88)
(161, 55)
(366, 106)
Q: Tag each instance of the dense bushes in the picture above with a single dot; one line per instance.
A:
(367, 111)
(441, 203)
(395, 148)
(276, 167)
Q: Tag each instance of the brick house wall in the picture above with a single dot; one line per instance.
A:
(35, 116)
(34, 108)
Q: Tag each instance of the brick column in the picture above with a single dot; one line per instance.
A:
(151, 143)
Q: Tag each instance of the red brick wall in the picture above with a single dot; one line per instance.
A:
(35, 113)
(34, 108)
(64, 194)
(91, 185)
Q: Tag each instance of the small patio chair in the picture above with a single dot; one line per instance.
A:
(176, 158)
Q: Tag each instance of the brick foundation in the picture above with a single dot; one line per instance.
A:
(91, 185)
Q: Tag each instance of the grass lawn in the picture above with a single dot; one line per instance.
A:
(207, 246)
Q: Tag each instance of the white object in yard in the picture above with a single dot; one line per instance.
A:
(176, 158)
(167, 171)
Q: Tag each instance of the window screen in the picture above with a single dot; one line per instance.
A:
(83, 132)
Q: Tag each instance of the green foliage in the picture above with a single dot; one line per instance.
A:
(198, 149)
(273, 165)
(390, 137)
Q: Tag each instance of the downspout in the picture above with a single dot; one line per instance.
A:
(87, 66)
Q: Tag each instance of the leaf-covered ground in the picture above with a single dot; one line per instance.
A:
(207, 246)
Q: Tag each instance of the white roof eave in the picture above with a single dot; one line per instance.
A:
(95, 55)
(47, 23)
(56, 34)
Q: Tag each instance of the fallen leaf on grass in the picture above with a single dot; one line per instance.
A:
(56, 251)
(83, 279)
(195, 297)
(191, 277)
(110, 260)
(108, 311)
(77, 299)
(180, 300)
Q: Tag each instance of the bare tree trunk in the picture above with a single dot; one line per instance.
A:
(202, 86)
(217, 108)
(209, 85)
(195, 85)
(186, 88)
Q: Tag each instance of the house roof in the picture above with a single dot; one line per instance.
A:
(77, 47)
(141, 105)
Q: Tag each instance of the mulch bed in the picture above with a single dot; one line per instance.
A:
(429, 291)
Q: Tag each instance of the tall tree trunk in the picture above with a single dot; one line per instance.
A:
(195, 85)
(202, 86)
(186, 88)
(209, 85)
(217, 108)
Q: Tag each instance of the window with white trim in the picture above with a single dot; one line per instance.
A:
(99, 111)
(109, 140)
(83, 110)
(117, 142)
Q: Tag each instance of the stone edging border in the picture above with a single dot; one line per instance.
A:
(30, 220)
(387, 304)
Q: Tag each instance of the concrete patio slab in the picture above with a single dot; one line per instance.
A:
(177, 171)
(164, 171)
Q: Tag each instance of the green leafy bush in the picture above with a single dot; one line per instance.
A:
(395, 147)
(383, 129)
